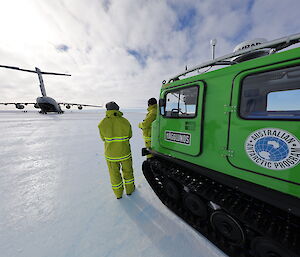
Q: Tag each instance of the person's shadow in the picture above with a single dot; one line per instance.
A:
(171, 236)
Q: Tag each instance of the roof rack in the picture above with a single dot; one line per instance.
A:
(276, 45)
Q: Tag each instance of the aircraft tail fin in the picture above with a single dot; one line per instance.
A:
(42, 86)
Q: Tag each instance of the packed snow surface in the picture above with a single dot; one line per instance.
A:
(56, 199)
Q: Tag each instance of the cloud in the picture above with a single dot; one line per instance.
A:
(114, 48)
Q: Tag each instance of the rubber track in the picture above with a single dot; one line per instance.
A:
(257, 218)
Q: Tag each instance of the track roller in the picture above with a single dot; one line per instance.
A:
(172, 190)
(146, 166)
(264, 247)
(228, 227)
(196, 206)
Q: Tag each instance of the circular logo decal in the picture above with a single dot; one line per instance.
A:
(274, 149)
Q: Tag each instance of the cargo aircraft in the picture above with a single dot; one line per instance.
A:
(45, 103)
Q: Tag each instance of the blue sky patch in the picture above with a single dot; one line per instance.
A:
(141, 58)
(186, 19)
(250, 5)
(62, 48)
(106, 4)
(186, 15)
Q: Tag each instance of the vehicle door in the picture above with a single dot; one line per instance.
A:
(264, 132)
(181, 118)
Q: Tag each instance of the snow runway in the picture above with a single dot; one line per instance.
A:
(56, 198)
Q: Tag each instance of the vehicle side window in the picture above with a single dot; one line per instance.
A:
(271, 95)
(181, 103)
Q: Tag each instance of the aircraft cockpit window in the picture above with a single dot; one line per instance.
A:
(271, 95)
(181, 103)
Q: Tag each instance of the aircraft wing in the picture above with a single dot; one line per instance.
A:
(21, 105)
(17, 103)
(79, 106)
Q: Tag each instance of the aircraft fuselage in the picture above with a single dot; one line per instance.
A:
(48, 104)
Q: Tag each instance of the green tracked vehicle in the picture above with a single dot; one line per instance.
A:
(226, 149)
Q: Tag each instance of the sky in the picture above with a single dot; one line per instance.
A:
(122, 50)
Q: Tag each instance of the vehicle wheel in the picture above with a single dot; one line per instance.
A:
(228, 227)
(146, 169)
(172, 189)
(196, 206)
(146, 166)
(264, 247)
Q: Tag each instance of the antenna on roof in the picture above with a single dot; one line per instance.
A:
(213, 43)
(277, 44)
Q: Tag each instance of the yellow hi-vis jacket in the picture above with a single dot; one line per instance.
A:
(146, 124)
(115, 131)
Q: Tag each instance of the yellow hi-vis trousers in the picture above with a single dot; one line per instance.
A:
(148, 145)
(116, 178)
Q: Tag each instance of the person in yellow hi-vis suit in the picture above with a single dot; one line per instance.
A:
(116, 131)
(146, 124)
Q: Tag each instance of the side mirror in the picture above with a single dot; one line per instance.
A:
(162, 106)
(162, 102)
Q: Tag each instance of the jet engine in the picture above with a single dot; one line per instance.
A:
(68, 106)
(20, 106)
(80, 107)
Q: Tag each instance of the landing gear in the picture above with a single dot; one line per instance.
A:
(228, 227)
(263, 247)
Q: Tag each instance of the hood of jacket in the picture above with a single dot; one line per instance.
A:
(152, 107)
(113, 113)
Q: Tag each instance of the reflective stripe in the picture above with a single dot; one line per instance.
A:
(117, 159)
(129, 181)
(147, 139)
(117, 186)
(116, 139)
